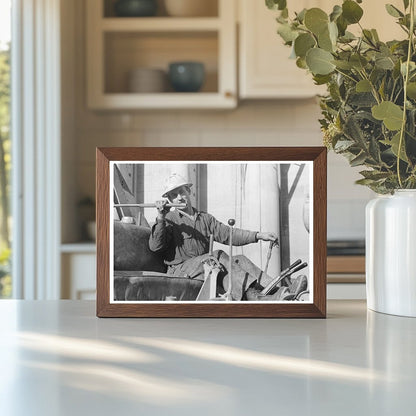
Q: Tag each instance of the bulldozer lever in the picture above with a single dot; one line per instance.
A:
(231, 223)
(294, 267)
(269, 254)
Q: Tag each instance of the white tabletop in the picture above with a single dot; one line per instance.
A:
(57, 358)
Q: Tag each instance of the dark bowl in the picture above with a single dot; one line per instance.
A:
(186, 76)
(135, 8)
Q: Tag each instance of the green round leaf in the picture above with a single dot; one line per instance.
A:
(394, 143)
(411, 90)
(301, 15)
(322, 79)
(351, 11)
(342, 25)
(375, 35)
(344, 65)
(319, 61)
(333, 32)
(327, 39)
(336, 12)
(347, 37)
(363, 86)
(403, 66)
(287, 33)
(316, 20)
(391, 114)
(303, 43)
(368, 37)
(383, 62)
(276, 4)
(393, 11)
(358, 61)
(301, 63)
(325, 42)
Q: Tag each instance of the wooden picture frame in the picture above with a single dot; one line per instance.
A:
(121, 291)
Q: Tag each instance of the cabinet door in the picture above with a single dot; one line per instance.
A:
(78, 276)
(265, 68)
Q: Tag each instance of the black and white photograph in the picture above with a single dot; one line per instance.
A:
(211, 231)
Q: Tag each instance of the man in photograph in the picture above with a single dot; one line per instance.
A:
(182, 237)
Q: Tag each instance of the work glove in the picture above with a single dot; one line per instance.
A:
(161, 207)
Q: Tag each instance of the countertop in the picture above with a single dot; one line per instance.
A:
(57, 358)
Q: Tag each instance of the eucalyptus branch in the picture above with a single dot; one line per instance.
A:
(369, 40)
(406, 79)
(341, 48)
(404, 28)
(346, 75)
(362, 59)
(373, 88)
(358, 45)
(392, 91)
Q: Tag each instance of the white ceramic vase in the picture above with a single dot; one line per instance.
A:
(391, 253)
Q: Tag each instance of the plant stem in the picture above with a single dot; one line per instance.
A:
(392, 91)
(373, 88)
(346, 75)
(406, 79)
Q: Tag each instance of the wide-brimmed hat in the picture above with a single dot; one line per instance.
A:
(174, 181)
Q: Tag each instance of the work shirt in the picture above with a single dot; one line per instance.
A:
(180, 237)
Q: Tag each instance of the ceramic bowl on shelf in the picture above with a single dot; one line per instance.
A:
(191, 8)
(147, 80)
(135, 8)
(186, 76)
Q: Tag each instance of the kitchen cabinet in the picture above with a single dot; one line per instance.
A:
(78, 262)
(118, 45)
(344, 269)
(265, 70)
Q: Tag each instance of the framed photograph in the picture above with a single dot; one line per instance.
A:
(211, 232)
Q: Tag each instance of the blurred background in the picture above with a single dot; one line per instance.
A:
(101, 73)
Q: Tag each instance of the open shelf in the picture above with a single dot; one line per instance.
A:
(209, 9)
(86, 247)
(116, 46)
(157, 101)
(346, 269)
(127, 51)
(160, 24)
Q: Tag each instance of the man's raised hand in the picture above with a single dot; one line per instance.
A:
(268, 237)
(161, 207)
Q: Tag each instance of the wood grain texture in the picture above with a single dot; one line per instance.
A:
(346, 264)
(103, 231)
(319, 229)
(212, 310)
(345, 278)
